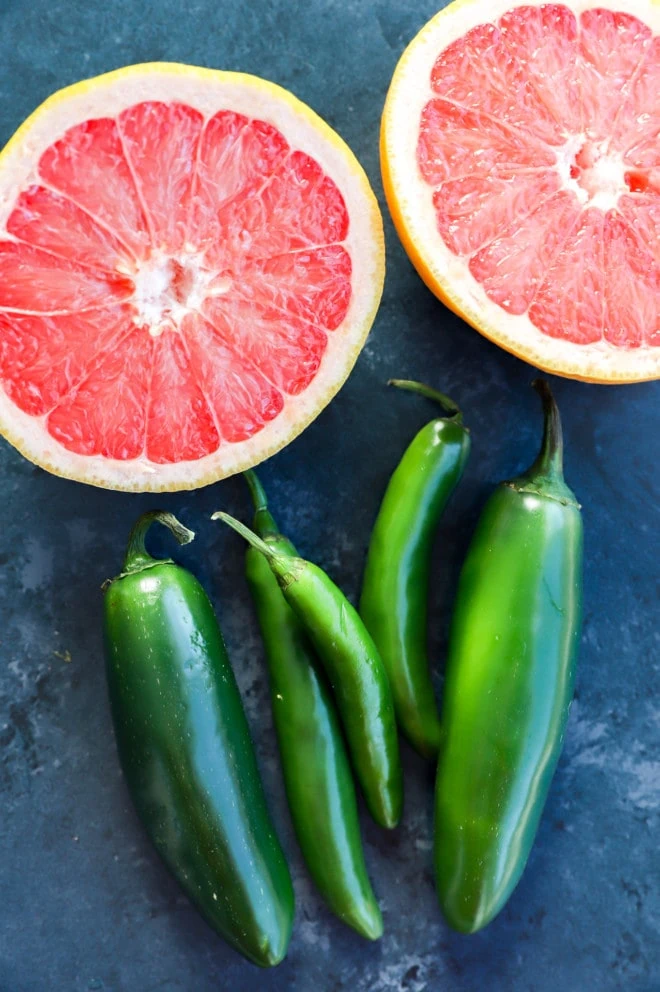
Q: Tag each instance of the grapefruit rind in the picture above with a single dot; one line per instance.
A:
(208, 90)
(410, 201)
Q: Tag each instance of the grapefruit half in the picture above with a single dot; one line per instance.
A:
(190, 262)
(520, 151)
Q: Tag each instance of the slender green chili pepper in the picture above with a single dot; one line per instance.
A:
(354, 669)
(509, 683)
(393, 604)
(185, 748)
(317, 772)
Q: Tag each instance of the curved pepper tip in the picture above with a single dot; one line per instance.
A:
(391, 808)
(366, 920)
(270, 956)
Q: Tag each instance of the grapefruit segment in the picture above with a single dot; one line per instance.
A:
(521, 163)
(612, 47)
(513, 266)
(228, 183)
(313, 285)
(632, 287)
(542, 41)
(185, 280)
(455, 142)
(35, 281)
(303, 206)
(106, 414)
(474, 211)
(643, 216)
(297, 207)
(577, 313)
(160, 143)
(218, 174)
(89, 166)
(638, 123)
(287, 351)
(240, 396)
(42, 358)
(179, 421)
(477, 73)
(47, 219)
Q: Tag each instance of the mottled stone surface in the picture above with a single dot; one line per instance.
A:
(84, 903)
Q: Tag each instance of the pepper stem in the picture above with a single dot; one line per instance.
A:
(263, 521)
(257, 491)
(545, 477)
(550, 459)
(285, 567)
(451, 409)
(249, 535)
(137, 555)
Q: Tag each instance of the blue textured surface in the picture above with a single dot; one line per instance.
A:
(85, 904)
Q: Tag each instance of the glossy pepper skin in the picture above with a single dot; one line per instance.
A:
(394, 596)
(354, 669)
(317, 774)
(186, 751)
(508, 685)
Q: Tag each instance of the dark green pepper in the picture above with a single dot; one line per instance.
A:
(317, 773)
(394, 597)
(509, 683)
(354, 669)
(186, 752)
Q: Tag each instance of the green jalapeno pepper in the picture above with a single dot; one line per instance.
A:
(509, 683)
(354, 669)
(185, 748)
(317, 774)
(394, 596)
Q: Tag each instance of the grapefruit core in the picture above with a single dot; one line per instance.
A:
(520, 149)
(190, 262)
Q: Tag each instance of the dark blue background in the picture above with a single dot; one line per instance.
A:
(84, 903)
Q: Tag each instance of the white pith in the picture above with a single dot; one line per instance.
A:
(409, 92)
(603, 183)
(208, 91)
(158, 307)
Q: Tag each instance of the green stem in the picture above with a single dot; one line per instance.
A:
(249, 535)
(451, 409)
(257, 491)
(263, 522)
(550, 459)
(137, 556)
(285, 567)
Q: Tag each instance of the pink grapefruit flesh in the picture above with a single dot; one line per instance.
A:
(189, 265)
(521, 159)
